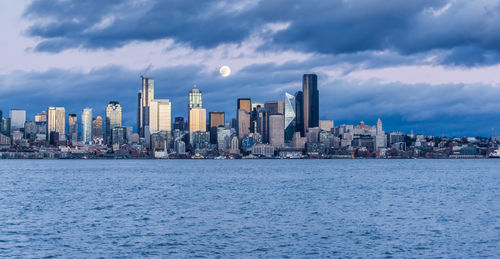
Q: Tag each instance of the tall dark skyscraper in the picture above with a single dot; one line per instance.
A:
(311, 101)
(216, 120)
(299, 109)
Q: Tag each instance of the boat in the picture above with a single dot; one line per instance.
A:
(495, 154)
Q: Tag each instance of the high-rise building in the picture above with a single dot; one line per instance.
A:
(72, 128)
(118, 135)
(97, 134)
(146, 96)
(197, 119)
(245, 104)
(243, 115)
(5, 129)
(326, 125)
(380, 138)
(299, 112)
(243, 123)
(272, 107)
(195, 98)
(160, 113)
(56, 121)
(139, 112)
(179, 124)
(41, 117)
(311, 101)
(88, 125)
(276, 130)
(61, 122)
(216, 120)
(290, 117)
(223, 139)
(17, 119)
(114, 118)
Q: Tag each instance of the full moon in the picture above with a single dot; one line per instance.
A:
(225, 71)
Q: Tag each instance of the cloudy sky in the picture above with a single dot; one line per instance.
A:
(428, 65)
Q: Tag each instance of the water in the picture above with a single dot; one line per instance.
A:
(250, 208)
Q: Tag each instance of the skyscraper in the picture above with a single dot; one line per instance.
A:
(61, 122)
(299, 112)
(243, 123)
(97, 135)
(197, 115)
(5, 129)
(160, 115)
(197, 119)
(114, 118)
(216, 119)
(276, 130)
(87, 125)
(243, 116)
(195, 98)
(72, 128)
(311, 101)
(179, 123)
(380, 138)
(271, 107)
(41, 117)
(56, 121)
(290, 117)
(17, 119)
(146, 96)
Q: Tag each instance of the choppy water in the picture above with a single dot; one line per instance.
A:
(253, 208)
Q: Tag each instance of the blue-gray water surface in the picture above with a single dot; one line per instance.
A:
(250, 208)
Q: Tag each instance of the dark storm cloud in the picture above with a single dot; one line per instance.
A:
(453, 109)
(465, 29)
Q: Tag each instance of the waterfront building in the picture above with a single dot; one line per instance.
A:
(290, 117)
(114, 118)
(17, 119)
(310, 101)
(88, 126)
(216, 120)
(144, 98)
(263, 150)
(118, 136)
(180, 147)
(235, 145)
(276, 130)
(396, 137)
(160, 115)
(223, 139)
(201, 140)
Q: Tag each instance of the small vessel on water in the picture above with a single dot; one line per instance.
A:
(495, 154)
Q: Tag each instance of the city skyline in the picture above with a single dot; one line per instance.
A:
(428, 81)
